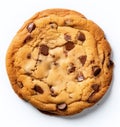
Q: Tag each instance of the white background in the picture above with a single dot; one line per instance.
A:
(16, 113)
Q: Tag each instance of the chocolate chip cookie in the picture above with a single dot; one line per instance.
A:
(59, 61)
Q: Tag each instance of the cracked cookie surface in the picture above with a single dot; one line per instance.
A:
(59, 61)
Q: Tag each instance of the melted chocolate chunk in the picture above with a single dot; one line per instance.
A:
(67, 37)
(71, 68)
(92, 61)
(44, 49)
(52, 92)
(38, 89)
(29, 56)
(53, 56)
(69, 45)
(83, 59)
(90, 98)
(20, 84)
(81, 36)
(28, 73)
(28, 38)
(80, 77)
(62, 106)
(96, 70)
(31, 27)
(55, 63)
(95, 87)
(53, 25)
(110, 64)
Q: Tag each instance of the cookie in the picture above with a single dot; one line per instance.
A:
(59, 61)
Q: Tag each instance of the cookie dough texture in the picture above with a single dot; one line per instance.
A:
(59, 61)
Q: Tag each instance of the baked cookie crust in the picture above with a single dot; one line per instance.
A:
(59, 61)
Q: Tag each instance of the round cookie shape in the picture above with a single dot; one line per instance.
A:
(59, 61)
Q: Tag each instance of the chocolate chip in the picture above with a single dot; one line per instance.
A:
(53, 25)
(28, 73)
(80, 77)
(83, 59)
(69, 45)
(31, 27)
(81, 36)
(71, 68)
(27, 38)
(95, 87)
(67, 37)
(96, 70)
(62, 106)
(110, 64)
(53, 92)
(38, 89)
(92, 61)
(52, 55)
(29, 56)
(55, 63)
(44, 49)
(20, 84)
(91, 98)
